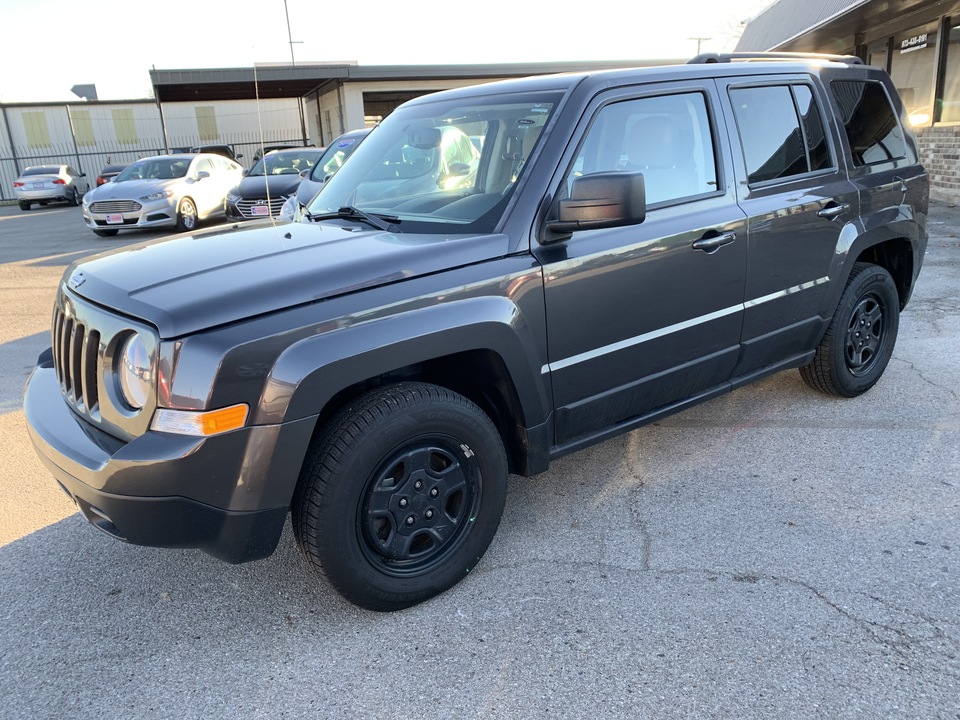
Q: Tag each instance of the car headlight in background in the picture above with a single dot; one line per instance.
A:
(134, 372)
(288, 211)
(158, 195)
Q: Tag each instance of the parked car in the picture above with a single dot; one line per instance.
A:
(333, 158)
(108, 173)
(275, 177)
(44, 184)
(226, 151)
(162, 191)
(634, 242)
(270, 148)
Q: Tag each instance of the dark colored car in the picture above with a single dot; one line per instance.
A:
(270, 148)
(275, 177)
(334, 156)
(108, 173)
(226, 151)
(630, 243)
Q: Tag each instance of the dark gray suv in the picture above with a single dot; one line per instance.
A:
(627, 244)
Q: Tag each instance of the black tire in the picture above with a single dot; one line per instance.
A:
(187, 217)
(75, 197)
(24, 205)
(859, 341)
(105, 233)
(400, 495)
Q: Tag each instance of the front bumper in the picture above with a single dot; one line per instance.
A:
(153, 213)
(227, 495)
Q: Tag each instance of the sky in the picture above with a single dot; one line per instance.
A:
(50, 45)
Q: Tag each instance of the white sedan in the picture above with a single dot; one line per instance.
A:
(162, 191)
(44, 184)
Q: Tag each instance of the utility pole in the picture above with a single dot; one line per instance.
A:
(698, 39)
(293, 63)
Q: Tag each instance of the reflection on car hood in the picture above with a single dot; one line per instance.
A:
(255, 186)
(188, 283)
(131, 189)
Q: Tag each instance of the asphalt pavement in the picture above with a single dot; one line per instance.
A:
(773, 553)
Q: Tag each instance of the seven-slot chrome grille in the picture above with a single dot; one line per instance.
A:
(115, 206)
(86, 339)
(76, 355)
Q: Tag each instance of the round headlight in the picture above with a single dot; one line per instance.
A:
(135, 372)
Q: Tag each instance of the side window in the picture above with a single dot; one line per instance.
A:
(668, 138)
(204, 166)
(872, 128)
(781, 131)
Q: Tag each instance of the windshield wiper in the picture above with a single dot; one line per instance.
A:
(348, 212)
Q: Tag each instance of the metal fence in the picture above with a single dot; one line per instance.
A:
(91, 160)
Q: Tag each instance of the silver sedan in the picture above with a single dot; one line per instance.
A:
(44, 184)
(162, 191)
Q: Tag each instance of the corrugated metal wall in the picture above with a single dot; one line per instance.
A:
(89, 136)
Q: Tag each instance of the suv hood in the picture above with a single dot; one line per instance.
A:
(189, 283)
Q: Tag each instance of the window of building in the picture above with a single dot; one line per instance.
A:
(35, 125)
(667, 138)
(207, 123)
(951, 87)
(781, 131)
(124, 126)
(83, 128)
(878, 54)
(872, 128)
(913, 69)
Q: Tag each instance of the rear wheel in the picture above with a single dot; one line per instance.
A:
(859, 341)
(186, 215)
(401, 495)
(24, 205)
(75, 197)
(105, 233)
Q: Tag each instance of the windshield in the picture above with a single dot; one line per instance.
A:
(155, 169)
(444, 166)
(285, 163)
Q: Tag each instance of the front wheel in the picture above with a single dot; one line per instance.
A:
(401, 495)
(186, 215)
(859, 341)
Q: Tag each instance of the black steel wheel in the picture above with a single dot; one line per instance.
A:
(861, 336)
(400, 495)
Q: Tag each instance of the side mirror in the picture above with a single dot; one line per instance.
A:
(599, 200)
(202, 174)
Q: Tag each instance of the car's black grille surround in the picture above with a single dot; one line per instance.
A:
(85, 340)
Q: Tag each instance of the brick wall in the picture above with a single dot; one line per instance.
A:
(940, 155)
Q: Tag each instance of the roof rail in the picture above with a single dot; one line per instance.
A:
(730, 57)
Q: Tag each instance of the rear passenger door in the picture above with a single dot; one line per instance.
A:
(797, 198)
(643, 317)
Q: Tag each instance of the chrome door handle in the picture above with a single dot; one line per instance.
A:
(712, 244)
(833, 210)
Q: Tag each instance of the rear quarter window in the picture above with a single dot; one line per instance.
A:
(781, 131)
(872, 128)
